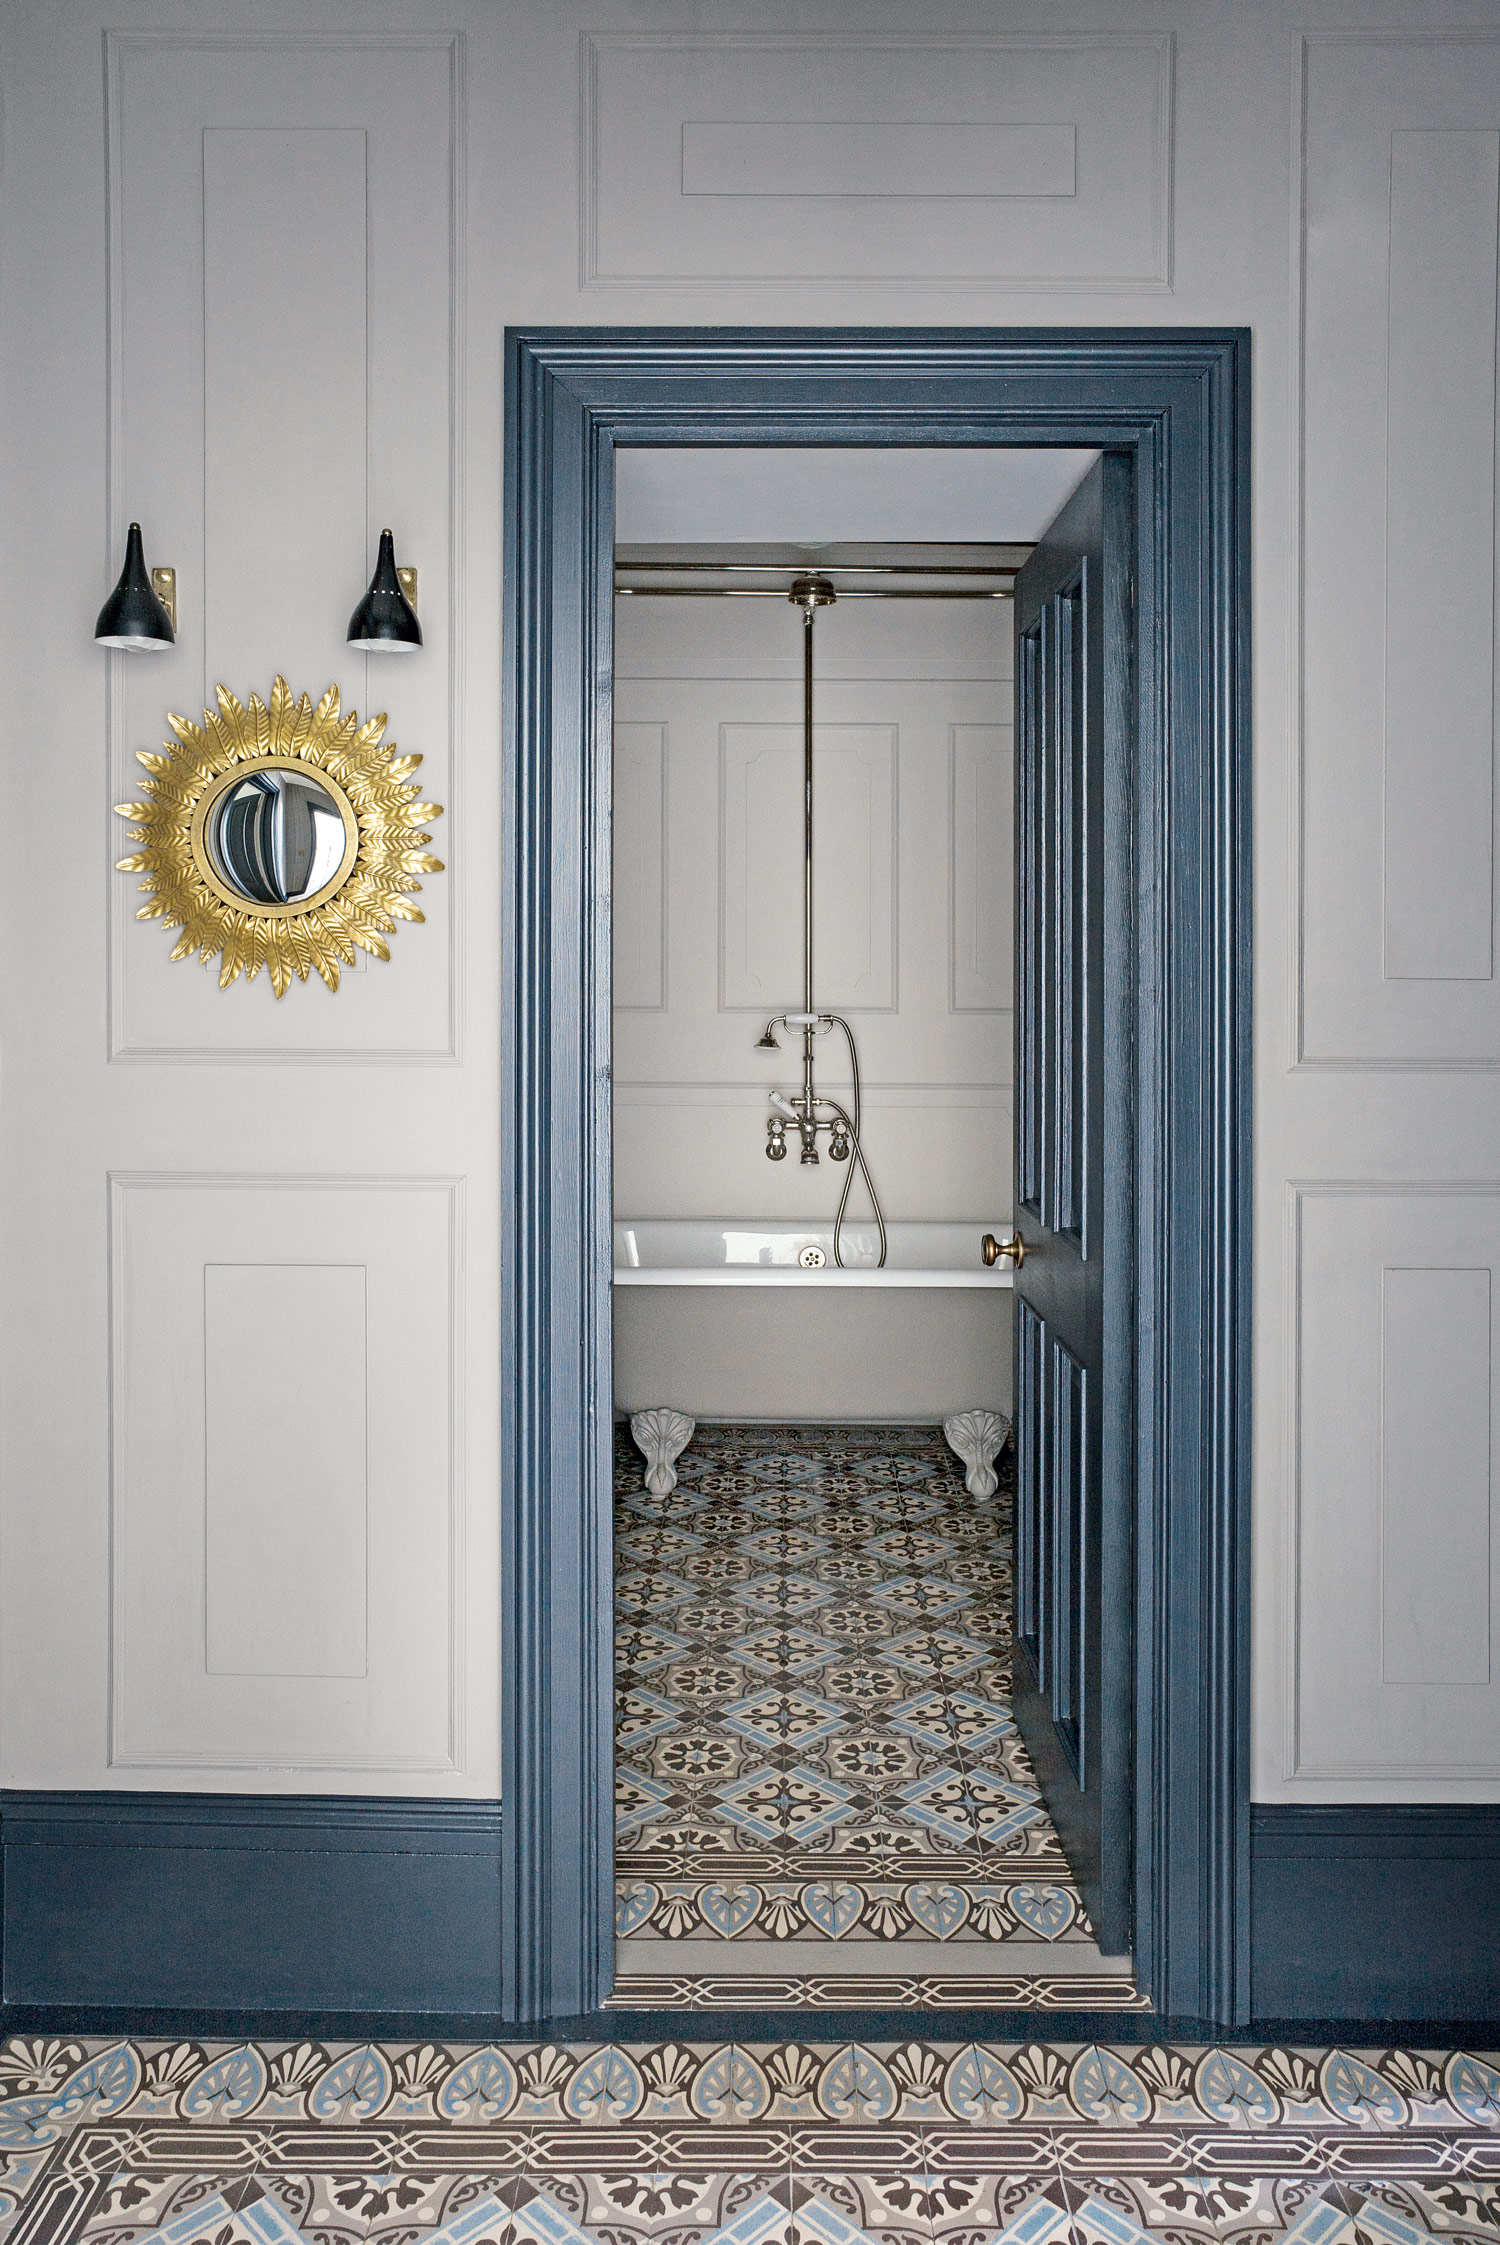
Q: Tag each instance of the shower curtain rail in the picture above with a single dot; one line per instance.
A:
(831, 569)
(778, 592)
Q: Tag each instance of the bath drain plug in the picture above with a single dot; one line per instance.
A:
(812, 1258)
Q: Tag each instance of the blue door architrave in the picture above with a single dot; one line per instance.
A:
(1177, 1066)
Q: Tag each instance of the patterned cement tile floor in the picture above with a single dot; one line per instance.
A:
(260, 2143)
(816, 1756)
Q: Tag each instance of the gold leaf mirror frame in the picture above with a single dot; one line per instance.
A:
(370, 787)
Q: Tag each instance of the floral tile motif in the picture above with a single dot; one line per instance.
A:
(815, 1735)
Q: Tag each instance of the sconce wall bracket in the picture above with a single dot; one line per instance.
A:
(164, 585)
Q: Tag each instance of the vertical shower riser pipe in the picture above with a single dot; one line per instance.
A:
(808, 613)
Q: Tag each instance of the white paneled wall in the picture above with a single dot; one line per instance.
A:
(692, 145)
(253, 284)
(912, 898)
(1400, 224)
(283, 304)
(1398, 1534)
(285, 1438)
(238, 1456)
(1382, 1617)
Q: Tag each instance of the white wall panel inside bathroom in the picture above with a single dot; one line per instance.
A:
(912, 903)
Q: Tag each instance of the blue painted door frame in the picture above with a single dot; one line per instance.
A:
(1177, 1065)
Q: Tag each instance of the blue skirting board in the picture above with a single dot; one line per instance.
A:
(220, 1902)
(1366, 1912)
(228, 1901)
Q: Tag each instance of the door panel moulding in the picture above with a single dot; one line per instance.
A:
(1177, 1075)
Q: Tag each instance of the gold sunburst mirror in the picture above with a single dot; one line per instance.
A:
(279, 836)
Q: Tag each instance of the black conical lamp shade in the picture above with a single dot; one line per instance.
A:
(385, 621)
(133, 617)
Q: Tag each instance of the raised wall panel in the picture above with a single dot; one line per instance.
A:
(285, 436)
(983, 845)
(1065, 1625)
(690, 1083)
(639, 903)
(285, 1510)
(285, 290)
(1440, 557)
(286, 1469)
(915, 161)
(1398, 582)
(1398, 1561)
(780, 159)
(1436, 1438)
(854, 886)
(698, 1149)
(1031, 1466)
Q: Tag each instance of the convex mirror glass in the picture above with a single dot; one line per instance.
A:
(276, 837)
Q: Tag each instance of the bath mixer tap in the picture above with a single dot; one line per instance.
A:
(814, 1114)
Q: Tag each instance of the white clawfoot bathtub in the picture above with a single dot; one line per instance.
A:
(783, 1338)
(704, 1251)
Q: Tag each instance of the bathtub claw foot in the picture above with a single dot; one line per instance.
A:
(977, 1436)
(661, 1436)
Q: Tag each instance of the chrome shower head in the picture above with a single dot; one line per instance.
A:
(768, 1043)
(810, 592)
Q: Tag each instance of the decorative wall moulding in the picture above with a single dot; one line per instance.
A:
(279, 837)
(901, 161)
(299, 167)
(1390, 1679)
(1397, 157)
(289, 1600)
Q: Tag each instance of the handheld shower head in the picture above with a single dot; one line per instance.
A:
(784, 1106)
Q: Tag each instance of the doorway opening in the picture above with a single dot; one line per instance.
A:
(822, 1791)
(1169, 409)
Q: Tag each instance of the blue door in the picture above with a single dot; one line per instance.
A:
(1072, 1541)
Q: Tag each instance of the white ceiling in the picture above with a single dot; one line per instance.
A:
(831, 495)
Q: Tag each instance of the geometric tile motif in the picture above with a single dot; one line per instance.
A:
(971, 1805)
(838, 1615)
(940, 1653)
(774, 1804)
(780, 1650)
(937, 1719)
(787, 1594)
(638, 1798)
(784, 1718)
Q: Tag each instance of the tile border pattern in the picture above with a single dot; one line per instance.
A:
(285, 2143)
(832, 1991)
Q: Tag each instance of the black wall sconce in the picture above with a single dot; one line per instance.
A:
(385, 622)
(140, 615)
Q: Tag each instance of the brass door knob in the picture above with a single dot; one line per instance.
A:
(1013, 1249)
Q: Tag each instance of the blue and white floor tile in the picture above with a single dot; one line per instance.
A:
(136, 2142)
(817, 1761)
